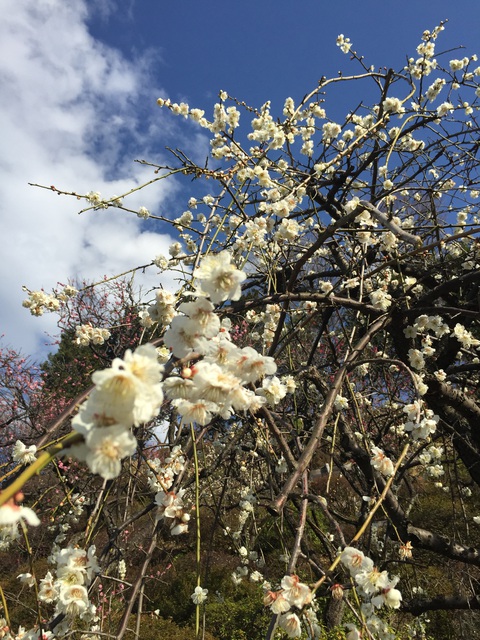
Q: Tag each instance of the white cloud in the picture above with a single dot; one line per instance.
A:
(73, 115)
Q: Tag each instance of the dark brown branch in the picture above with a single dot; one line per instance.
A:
(418, 606)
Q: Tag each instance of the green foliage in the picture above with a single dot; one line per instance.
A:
(238, 613)
(69, 369)
(154, 627)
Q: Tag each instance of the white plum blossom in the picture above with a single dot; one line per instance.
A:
(381, 463)
(295, 592)
(219, 279)
(416, 359)
(22, 453)
(86, 334)
(276, 601)
(344, 43)
(39, 301)
(381, 299)
(130, 390)
(389, 596)
(143, 213)
(273, 390)
(340, 403)
(355, 560)
(107, 446)
(199, 596)
(290, 623)
(13, 514)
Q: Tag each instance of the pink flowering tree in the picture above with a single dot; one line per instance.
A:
(303, 408)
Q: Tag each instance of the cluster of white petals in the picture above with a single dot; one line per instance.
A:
(376, 589)
(23, 454)
(39, 301)
(381, 462)
(127, 394)
(67, 587)
(86, 334)
(220, 279)
(292, 593)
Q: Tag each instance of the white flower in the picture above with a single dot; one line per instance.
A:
(276, 601)
(174, 249)
(331, 130)
(416, 358)
(295, 592)
(27, 579)
(201, 311)
(344, 43)
(393, 105)
(47, 591)
(273, 390)
(182, 336)
(73, 599)
(199, 595)
(219, 278)
(340, 403)
(381, 463)
(249, 365)
(200, 411)
(325, 286)
(355, 560)
(144, 213)
(79, 559)
(107, 446)
(389, 596)
(161, 262)
(444, 108)
(381, 299)
(12, 513)
(256, 576)
(213, 383)
(24, 454)
(371, 581)
(130, 391)
(290, 623)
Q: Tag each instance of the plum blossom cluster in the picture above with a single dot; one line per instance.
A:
(170, 503)
(67, 587)
(172, 509)
(216, 385)
(98, 202)
(127, 394)
(376, 590)
(422, 422)
(161, 474)
(39, 301)
(86, 334)
(247, 503)
(291, 598)
(68, 515)
(162, 311)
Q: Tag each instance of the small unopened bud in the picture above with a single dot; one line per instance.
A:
(337, 591)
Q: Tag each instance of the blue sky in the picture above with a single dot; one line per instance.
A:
(262, 50)
(78, 86)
